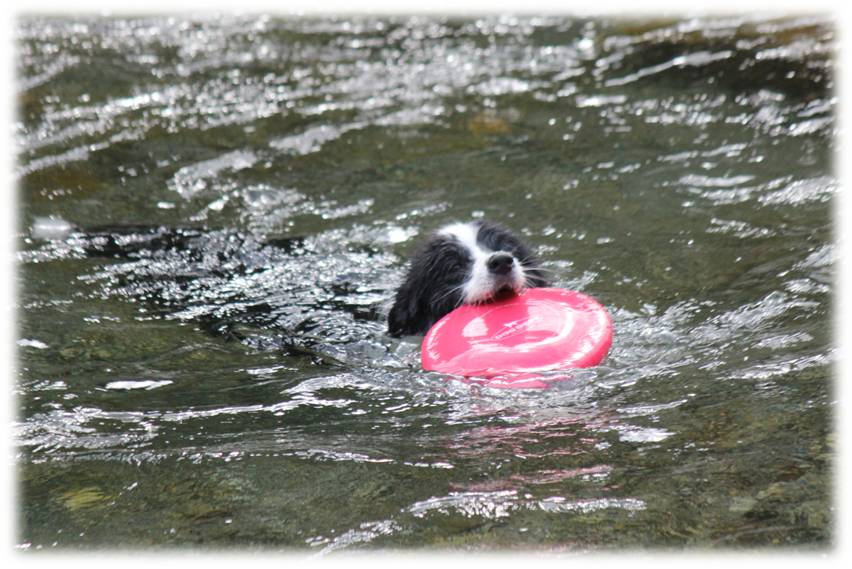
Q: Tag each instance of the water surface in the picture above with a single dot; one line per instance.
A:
(214, 209)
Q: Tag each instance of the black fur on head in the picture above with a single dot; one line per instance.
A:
(461, 263)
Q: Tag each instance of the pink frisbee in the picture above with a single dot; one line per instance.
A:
(508, 343)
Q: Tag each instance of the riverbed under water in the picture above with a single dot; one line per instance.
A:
(214, 209)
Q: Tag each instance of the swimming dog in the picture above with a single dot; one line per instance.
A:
(461, 263)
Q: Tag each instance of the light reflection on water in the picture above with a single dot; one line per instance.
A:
(216, 210)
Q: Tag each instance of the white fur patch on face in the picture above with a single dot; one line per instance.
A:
(466, 234)
(482, 284)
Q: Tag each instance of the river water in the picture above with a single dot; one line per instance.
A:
(214, 209)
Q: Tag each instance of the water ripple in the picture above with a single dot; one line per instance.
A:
(217, 209)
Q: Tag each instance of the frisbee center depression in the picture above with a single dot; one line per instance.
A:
(532, 323)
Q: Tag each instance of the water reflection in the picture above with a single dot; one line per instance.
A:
(214, 210)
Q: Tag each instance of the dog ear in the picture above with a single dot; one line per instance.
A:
(403, 316)
(396, 321)
(410, 305)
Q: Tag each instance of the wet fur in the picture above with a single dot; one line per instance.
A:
(447, 271)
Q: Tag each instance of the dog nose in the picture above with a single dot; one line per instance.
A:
(500, 263)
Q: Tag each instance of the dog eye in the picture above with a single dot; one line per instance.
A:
(515, 248)
(454, 261)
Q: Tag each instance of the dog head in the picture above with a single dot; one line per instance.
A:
(462, 263)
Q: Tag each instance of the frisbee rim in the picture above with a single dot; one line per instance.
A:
(569, 301)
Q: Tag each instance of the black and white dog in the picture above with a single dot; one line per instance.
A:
(462, 263)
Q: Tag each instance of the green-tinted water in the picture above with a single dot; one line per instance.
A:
(200, 359)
